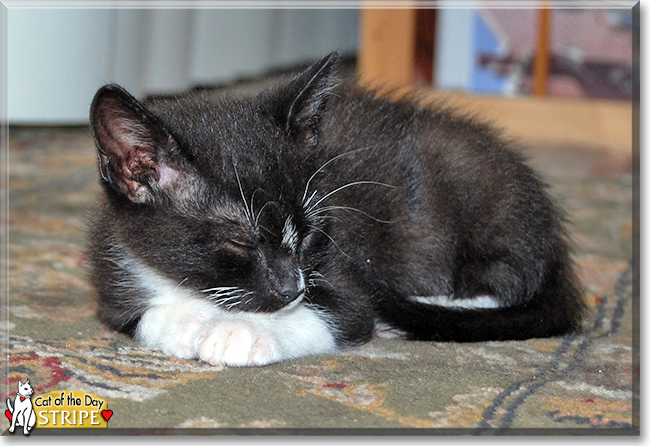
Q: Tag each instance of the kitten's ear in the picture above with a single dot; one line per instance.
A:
(131, 145)
(302, 100)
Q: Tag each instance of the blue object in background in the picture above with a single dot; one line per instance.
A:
(461, 37)
(485, 80)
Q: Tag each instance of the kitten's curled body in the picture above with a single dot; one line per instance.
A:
(250, 231)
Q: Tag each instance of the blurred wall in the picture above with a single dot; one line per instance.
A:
(454, 62)
(58, 58)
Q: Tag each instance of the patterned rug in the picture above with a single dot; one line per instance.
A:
(579, 384)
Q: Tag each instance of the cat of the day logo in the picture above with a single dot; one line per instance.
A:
(56, 410)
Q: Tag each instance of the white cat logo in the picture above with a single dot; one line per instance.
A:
(22, 412)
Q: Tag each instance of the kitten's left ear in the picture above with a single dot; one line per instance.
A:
(301, 101)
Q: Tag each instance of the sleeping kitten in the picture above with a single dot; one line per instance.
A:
(246, 232)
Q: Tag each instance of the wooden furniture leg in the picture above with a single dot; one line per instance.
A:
(387, 50)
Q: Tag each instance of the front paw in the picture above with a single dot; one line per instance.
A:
(236, 343)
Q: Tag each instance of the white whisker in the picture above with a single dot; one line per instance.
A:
(224, 297)
(306, 203)
(323, 217)
(257, 217)
(221, 302)
(333, 241)
(181, 283)
(355, 183)
(227, 288)
(229, 297)
(315, 276)
(324, 165)
(348, 208)
(249, 215)
(253, 200)
(241, 298)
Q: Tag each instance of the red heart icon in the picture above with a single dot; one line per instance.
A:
(107, 414)
(8, 414)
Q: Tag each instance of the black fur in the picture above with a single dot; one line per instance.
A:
(401, 200)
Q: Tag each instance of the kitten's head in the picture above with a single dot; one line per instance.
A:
(213, 193)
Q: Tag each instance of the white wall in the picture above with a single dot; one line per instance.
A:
(55, 61)
(218, 54)
(454, 61)
(58, 58)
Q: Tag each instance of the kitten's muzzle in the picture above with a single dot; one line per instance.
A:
(287, 282)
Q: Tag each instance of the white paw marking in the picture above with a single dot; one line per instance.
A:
(237, 343)
(173, 328)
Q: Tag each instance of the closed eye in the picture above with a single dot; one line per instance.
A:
(236, 256)
(242, 244)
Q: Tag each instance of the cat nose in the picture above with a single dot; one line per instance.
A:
(290, 292)
(287, 281)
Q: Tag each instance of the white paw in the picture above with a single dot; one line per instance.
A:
(172, 328)
(181, 344)
(237, 343)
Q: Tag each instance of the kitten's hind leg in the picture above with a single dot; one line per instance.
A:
(554, 309)
(505, 284)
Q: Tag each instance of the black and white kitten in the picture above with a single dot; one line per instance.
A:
(245, 232)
